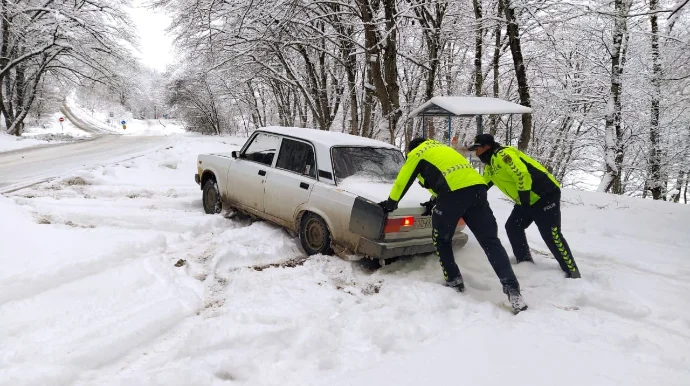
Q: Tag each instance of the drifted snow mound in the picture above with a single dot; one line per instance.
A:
(115, 276)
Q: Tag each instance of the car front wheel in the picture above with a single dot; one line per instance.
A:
(211, 198)
(314, 235)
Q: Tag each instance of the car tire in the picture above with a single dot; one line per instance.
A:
(211, 197)
(314, 235)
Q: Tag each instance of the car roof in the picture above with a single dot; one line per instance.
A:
(326, 138)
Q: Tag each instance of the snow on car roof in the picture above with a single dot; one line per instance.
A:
(326, 138)
(468, 106)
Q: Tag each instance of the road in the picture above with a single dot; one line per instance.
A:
(76, 121)
(22, 168)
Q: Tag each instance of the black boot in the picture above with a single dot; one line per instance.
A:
(456, 283)
(516, 301)
(525, 259)
(574, 274)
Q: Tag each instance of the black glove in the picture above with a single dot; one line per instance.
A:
(429, 206)
(389, 205)
(524, 198)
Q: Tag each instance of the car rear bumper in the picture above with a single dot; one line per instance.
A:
(387, 250)
(197, 179)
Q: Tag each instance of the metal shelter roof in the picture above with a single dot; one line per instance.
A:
(445, 106)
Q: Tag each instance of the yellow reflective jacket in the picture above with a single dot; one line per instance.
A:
(513, 171)
(439, 168)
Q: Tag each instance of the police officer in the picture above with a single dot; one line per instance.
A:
(459, 191)
(537, 197)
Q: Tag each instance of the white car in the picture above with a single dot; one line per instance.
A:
(323, 186)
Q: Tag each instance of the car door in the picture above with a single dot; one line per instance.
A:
(247, 176)
(292, 180)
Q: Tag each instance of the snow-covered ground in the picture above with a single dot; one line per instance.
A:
(52, 126)
(11, 142)
(115, 276)
(105, 122)
(47, 131)
(50, 131)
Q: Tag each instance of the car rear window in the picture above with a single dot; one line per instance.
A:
(367, 162)
(297, 157)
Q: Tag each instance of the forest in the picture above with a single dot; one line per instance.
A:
(608, 80)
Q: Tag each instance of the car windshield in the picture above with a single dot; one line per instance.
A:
(371, 163)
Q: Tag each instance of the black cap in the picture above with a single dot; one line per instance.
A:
(482, 140)
(415, 143)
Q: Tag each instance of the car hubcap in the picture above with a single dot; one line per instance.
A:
(315, 235)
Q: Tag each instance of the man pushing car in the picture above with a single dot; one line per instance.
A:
(537, 197)
(459, 192)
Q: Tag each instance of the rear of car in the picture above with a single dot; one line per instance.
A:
(369, 173)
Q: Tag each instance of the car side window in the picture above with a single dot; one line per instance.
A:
(297, 157)
(262, 149)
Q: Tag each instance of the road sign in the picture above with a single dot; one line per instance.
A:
(61, 119)
(123, 122)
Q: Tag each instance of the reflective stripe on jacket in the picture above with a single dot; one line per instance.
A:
(513, 171)
(438, 167)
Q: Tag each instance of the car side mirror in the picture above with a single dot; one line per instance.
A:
(235, 154)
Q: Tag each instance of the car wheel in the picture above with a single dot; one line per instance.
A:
(314, 235)
(211, 198)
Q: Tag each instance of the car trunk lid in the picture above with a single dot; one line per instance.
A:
(406, 222)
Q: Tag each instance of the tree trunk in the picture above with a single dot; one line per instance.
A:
(680, 181)
(431, 21)
(496, 60)
(520, 73)
(367, 104)
(383, 63)
(27, 92)
(611, 182)
(478, 45)
(654, 182)
(352, 89)
(4, 56)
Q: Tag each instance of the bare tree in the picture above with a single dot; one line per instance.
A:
(655, 183)
(74, 40)
(614, 152)
(520, 72)
(381, 47)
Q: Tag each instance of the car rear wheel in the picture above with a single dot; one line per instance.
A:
(314, 235)
(211, 198)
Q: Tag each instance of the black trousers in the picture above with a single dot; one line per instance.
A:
(546, 213)
(470, 203)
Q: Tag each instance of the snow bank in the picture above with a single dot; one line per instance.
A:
(52, 126)
(114, 275)
(11, 142)
(132, 126)
(43, 132)
(152, 127)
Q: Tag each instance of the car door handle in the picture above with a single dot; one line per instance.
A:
(304, 185)
(262, 172)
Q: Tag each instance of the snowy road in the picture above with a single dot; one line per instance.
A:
(113, 275)
(24, 167)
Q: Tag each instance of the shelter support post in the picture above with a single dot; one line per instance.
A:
(449, 130)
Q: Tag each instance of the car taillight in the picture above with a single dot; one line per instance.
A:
(398, 224)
